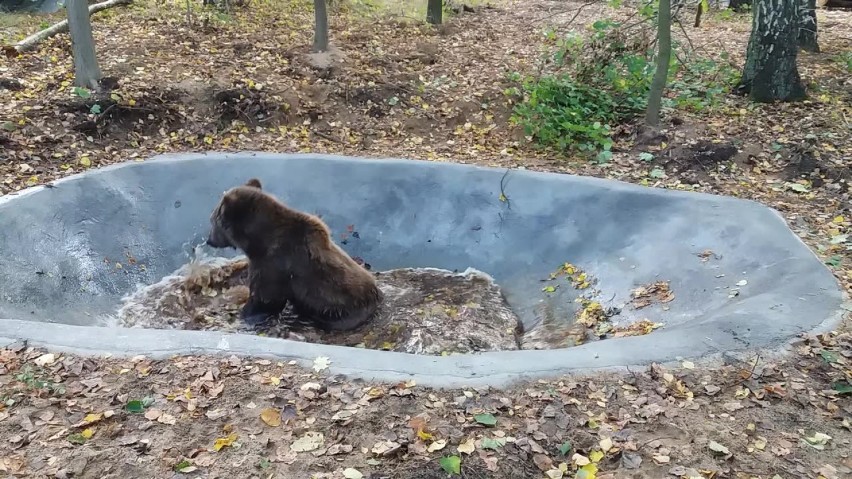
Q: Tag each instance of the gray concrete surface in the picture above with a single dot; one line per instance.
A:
(70, 252)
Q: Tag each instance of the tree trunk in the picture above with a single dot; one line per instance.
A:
(86, 70)
(664, 55)
(808, 26)
(321, 26)
(739, 5)
(33, 40)
(770, 71)
(434, 11)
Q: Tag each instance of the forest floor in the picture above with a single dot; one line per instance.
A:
(394, 87)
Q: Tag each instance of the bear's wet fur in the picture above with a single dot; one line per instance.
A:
(292, 258)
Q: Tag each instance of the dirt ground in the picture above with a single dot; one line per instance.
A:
(393, 87)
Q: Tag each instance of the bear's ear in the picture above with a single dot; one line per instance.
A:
(255, 183)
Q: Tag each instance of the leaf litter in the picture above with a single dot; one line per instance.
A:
(653, 414)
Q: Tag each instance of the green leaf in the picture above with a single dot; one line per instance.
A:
(95, 109)
(76, 438)
(549, 289)
(798, 187)
(451, 464)
(657, 173)
(137, 406)
(493, 442)
(565, 448)
(8, 126)
(829, 356)
(842, 387)
(182, 465)
(604, 156)
(645, 156)
(834, 261)
(264, 463)
(82, 92)
(485, 419)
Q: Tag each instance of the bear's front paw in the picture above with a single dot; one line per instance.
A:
(252, 316)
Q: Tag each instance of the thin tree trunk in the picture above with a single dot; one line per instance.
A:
(770, 71)
(808, 40)
(33, 40)
(664, 55)
(321, 26)
(86, 70)
(434, 11)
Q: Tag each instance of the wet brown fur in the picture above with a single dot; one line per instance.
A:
(292, 258)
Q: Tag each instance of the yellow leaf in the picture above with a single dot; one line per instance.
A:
(208, 140)
(271, 416)
(85, 161)
(224, 441)
(90, 418)
(596, 456)
(88, 433)
(838, 219)
(589, 471)
(424, 435)
(274, 380)
(32, 181)
(131, 102)
(503, 197)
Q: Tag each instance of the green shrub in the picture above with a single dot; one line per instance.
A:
(603, 81)
(560, 112)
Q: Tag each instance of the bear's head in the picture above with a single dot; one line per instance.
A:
(226, 219)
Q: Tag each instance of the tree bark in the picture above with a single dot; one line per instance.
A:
(434, 11)
(664, 55)
(33, 40)
(739, 5)
(86, 69)
(808, 40)
(321, 26)
(770, 71)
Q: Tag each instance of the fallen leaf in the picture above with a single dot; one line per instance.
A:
(818, 440)
(153, 414)
(224, 442)
(467, 447)
(493, 443)
(485, 419)
(167, 419)
(321, 363)
(87, 433)
(437, 445)
(271, 416)
(580, 460)
(309, 442)
(718, 448)
(605, 444)
(350, 473)
(543, 462)
(451, 464)
(45, 360)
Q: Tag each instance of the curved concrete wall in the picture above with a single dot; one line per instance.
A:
(70, 252)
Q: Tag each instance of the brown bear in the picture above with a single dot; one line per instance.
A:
(292, 258)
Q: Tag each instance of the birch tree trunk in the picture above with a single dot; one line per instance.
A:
(770, 71)
(808, 40)
(321, 26)
(86, 69)
(664, 55)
